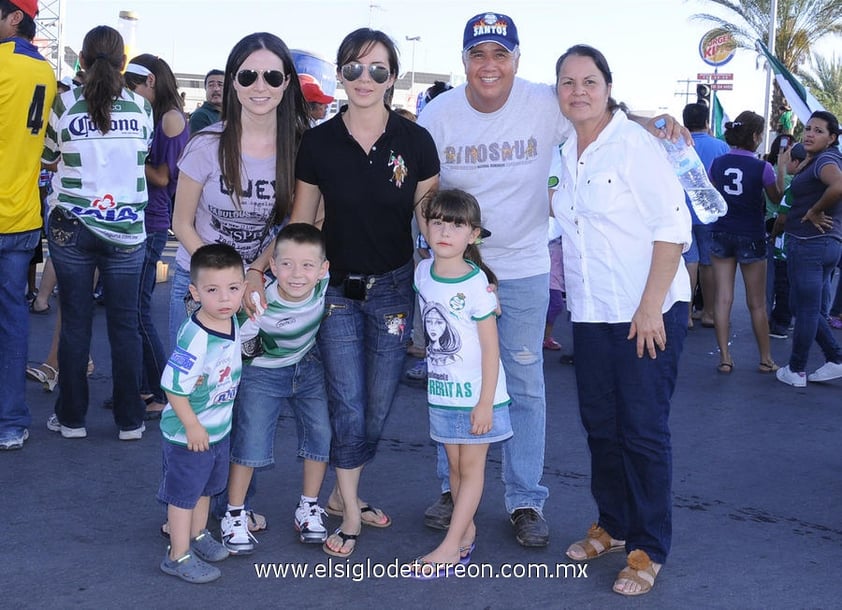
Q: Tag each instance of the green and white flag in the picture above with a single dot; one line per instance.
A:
(799, 97)
(720, 117)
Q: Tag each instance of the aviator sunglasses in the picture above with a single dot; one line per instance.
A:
(273, 78)
(352, 71)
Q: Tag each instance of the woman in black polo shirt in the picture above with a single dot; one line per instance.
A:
(373, 168)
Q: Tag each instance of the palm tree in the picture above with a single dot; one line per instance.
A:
(825, 82)
(800, 24)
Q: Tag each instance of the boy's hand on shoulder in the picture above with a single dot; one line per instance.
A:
(482, 417)
(197, 437)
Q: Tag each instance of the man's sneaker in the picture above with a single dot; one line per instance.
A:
(190, 568)
(308, 523)
(826, 372)
(790, 377)
(54, 426)
(207, 548)
(778, 331)
(10, 441)
(530, 527)
(437, 516)
(236, 535)
(132, 435)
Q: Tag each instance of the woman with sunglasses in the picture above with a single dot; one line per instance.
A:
(151, 77)
(371, 168)
(235, 187)
(253, 148)
(813, 229)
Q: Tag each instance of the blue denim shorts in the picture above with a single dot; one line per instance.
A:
(703, 241)
(189, 475)
(261, 398)
(453, 426)
(744, 249)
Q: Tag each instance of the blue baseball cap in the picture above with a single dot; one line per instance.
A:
(490, 27)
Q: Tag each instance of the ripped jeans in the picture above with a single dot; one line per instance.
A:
(521, 328)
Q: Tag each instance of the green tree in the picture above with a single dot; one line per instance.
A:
(825, 82)
(800, 24)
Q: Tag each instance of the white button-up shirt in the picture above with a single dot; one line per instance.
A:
(613, 203)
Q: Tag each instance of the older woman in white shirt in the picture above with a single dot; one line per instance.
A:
(624, 225)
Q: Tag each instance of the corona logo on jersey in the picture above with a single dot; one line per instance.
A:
(83, 126)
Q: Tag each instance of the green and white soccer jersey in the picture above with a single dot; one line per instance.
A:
(286, 330)
(205, 367)
(101, 177)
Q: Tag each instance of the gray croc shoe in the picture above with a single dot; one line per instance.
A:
(207, 548)
(190, 568)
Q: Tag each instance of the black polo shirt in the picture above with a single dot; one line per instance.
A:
(369, 198)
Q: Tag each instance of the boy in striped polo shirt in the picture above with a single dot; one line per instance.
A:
(201, 380)
(283, 367)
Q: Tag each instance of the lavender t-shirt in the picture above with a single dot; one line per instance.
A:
(218, 220)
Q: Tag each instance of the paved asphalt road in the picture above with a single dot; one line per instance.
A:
(757, 518)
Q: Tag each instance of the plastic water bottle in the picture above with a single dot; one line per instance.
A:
(707, 202)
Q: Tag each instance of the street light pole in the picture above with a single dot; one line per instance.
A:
(413, 40)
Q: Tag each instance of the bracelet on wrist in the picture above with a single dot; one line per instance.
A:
(256, 269)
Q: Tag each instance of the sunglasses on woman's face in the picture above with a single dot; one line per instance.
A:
(352, 71)
(273, 78)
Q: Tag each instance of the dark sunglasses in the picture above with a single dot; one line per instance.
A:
(273, 78)
(352, 71)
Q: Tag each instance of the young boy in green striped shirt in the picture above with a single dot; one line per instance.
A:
(201, 380)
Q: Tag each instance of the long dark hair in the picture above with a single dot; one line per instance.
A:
(455, 205)
(583, 50)
(166, 88)
(292, 121)
(103, 57)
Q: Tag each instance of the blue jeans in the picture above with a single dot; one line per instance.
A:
(76, 252)
(521, 328)
(363, 344)
(624, 402)
(810, 263)
(15, 254)
(180, 287)
(262, 395)
(154, 356)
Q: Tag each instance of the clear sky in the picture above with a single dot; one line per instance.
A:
(650, 44)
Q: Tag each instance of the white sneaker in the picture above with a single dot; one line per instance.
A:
(308, 523)
(789, 377)
(826, 372)
(54, 426)
(132, 435)
(236, 535)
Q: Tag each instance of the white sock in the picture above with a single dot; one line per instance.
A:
(236, 510)
(309, 500)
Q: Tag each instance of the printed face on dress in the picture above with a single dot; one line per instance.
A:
(817, 136)
(582, 91)
(220, 291)
(490, 71)
(298, 268)
(259, 97)
(450, 239)
(364, 91)
(434, 324)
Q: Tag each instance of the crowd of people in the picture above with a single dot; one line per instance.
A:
(295, 282)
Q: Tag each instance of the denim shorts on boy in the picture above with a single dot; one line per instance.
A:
(189, 475)
(261, 398)
(453, 426)
(744, 249)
